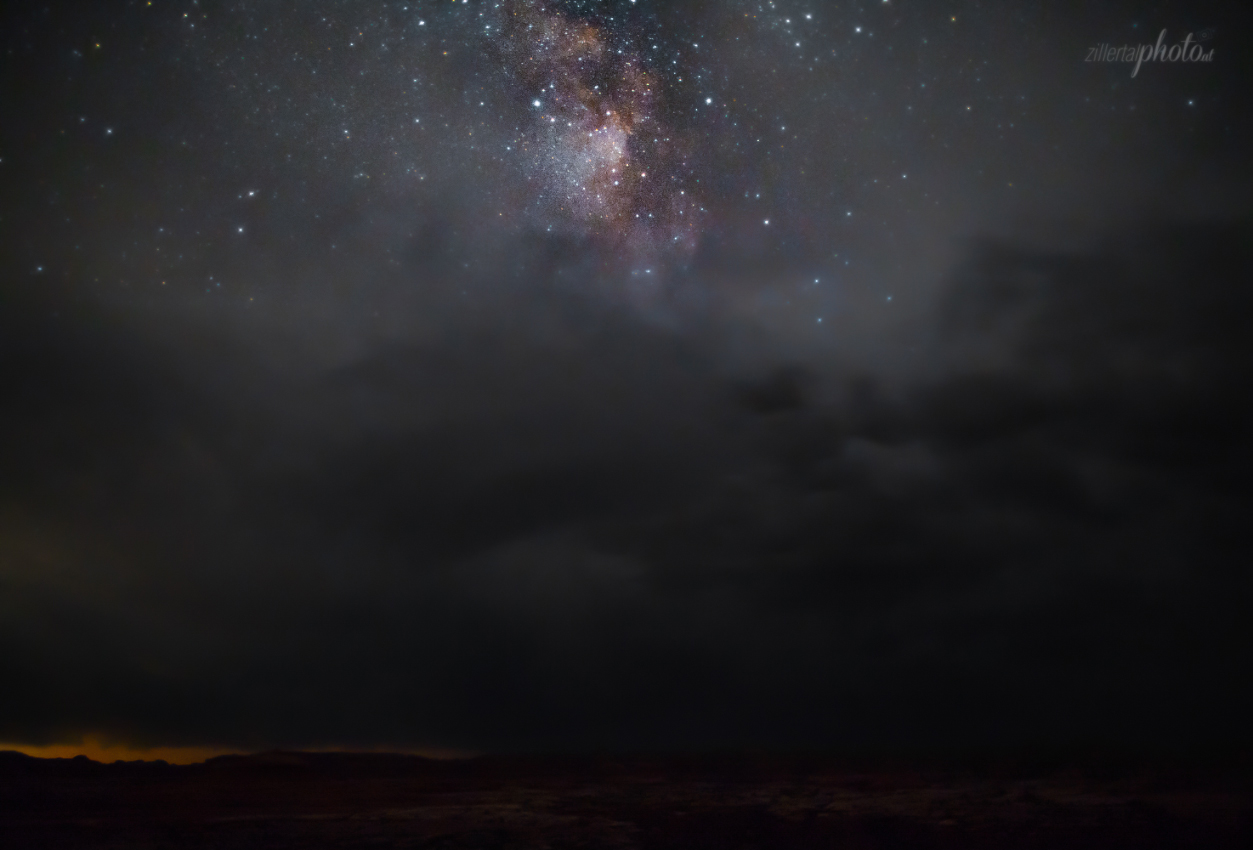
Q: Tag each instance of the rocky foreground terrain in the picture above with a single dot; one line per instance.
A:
(298, 800)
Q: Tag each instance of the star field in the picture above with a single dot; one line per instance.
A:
(840, 144)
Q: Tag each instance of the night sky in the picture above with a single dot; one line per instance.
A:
(558, 375)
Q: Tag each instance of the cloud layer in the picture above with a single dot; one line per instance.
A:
(610, 539)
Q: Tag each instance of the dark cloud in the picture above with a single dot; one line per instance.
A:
(600, 535)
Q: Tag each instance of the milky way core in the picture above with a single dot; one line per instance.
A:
(601, 159)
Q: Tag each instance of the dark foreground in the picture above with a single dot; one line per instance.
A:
(286, 800)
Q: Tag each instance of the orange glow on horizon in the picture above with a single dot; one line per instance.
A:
(96, 750)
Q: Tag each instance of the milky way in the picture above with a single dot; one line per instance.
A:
(600, 156)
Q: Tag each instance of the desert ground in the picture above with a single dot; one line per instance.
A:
(298, 800)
